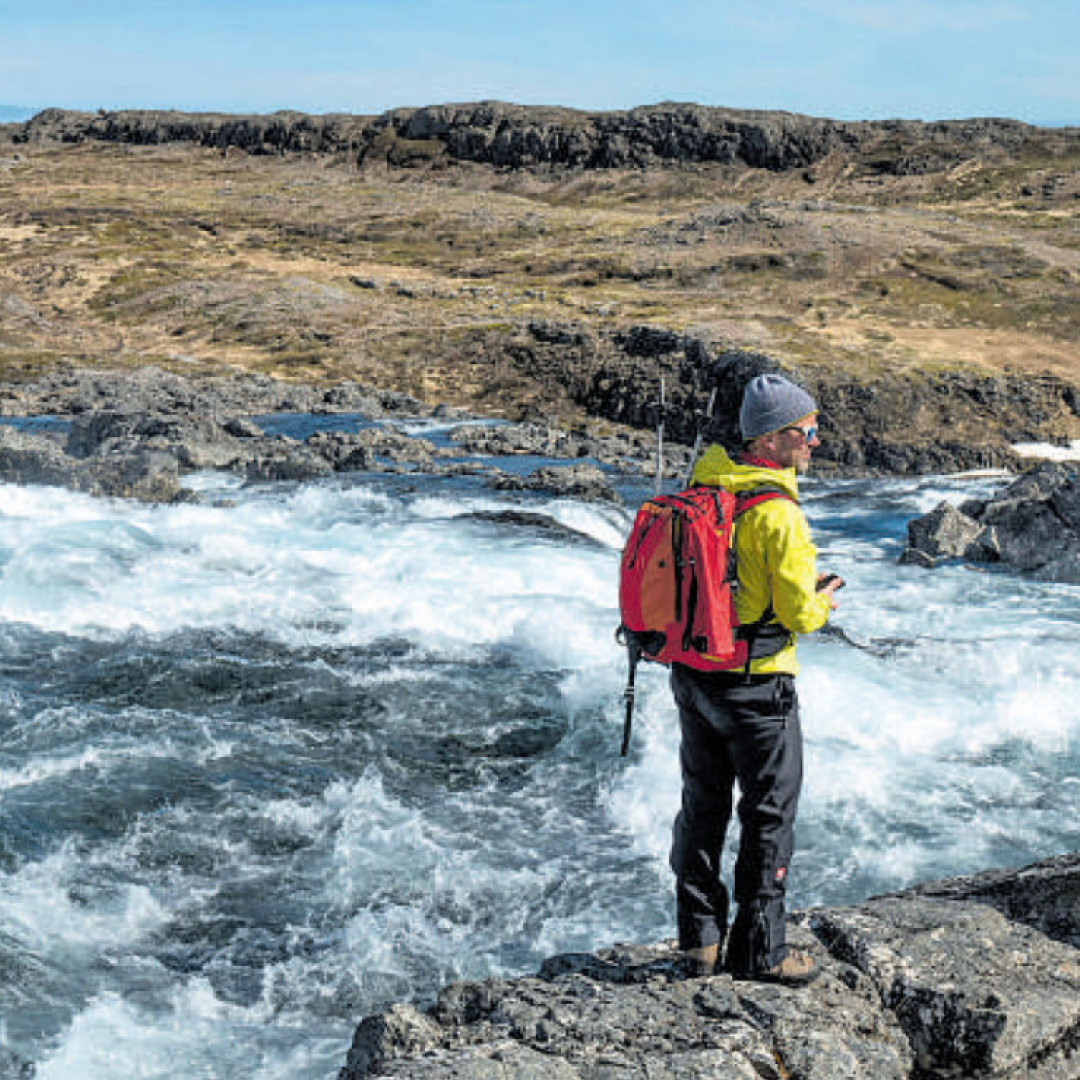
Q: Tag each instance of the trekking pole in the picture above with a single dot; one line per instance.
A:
(698, 433)
(660, 440)
(633, 652)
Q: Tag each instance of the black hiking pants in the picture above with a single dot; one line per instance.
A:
(744, 731)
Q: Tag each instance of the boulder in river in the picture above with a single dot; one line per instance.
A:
(1032, 525)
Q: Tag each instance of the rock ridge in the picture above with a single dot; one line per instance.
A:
(512, 136)
(969, 977)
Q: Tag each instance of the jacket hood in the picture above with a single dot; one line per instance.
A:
(715, 468)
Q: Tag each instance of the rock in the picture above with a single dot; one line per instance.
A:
(951, 979)
(348, 451)
(134, 434)
(1065, 502)
(507, 439)
(213, 422)
(976, 994)
(290, 463)
(31, 458)
(197, 442)
(632, 1011)
(1045, 895)
(242, 428)
(914, 557)
(1065, 570)
(401, 1030)
(943, 533)
(145, 475)
(569, 481)
(1032, 525)
(142, 474)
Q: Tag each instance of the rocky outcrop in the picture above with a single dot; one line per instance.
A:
(962, 978)
(141, 473)
(529, 137)
(137, 435)
(885, 424)
(877, 425)
(72, 391)
(1032, 525)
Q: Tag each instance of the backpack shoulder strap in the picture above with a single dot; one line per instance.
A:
(746, 500)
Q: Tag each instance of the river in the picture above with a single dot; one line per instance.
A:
(273, 761)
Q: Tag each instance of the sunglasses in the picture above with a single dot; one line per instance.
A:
(809, 434)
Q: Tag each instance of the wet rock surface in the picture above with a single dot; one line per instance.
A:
(952, 979)
(1032, 525)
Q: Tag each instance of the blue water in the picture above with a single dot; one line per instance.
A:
(271, 762)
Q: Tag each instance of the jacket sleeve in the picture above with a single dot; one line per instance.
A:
(791, 563)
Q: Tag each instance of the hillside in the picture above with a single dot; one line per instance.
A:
(543, 262)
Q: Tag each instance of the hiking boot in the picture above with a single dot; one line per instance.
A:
(796, 969)
(702, 961)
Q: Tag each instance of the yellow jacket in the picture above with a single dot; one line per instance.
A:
(777, 560)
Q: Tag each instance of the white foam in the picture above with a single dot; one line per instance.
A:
(193, 1034)
(38, 907)
(1048, 451)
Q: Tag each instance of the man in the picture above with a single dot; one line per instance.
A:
(743, 726)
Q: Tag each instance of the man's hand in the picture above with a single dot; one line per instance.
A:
(829, 584)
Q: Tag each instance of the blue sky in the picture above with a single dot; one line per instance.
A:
(849, 59)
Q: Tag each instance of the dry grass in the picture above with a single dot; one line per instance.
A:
(308, 269)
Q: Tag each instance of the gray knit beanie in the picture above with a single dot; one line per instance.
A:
(771, 402)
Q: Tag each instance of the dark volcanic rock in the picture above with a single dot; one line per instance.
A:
(569, 481)
(1045, 895)
(1032, 525)
(892, 426)
(137, 473)
(976, 994)
(953, 979)
(884, 425)
(944, 533)
(509, 136)
(74, 391)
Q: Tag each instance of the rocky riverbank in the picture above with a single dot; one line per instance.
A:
(136, 435)
(891, 425)
(970, 977)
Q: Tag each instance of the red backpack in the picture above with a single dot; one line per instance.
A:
(677, 583)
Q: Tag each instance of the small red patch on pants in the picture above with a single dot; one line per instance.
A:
(781, 873)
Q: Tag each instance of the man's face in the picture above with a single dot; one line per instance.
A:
(792, 446)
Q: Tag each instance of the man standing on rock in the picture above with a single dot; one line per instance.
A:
(743, 726)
